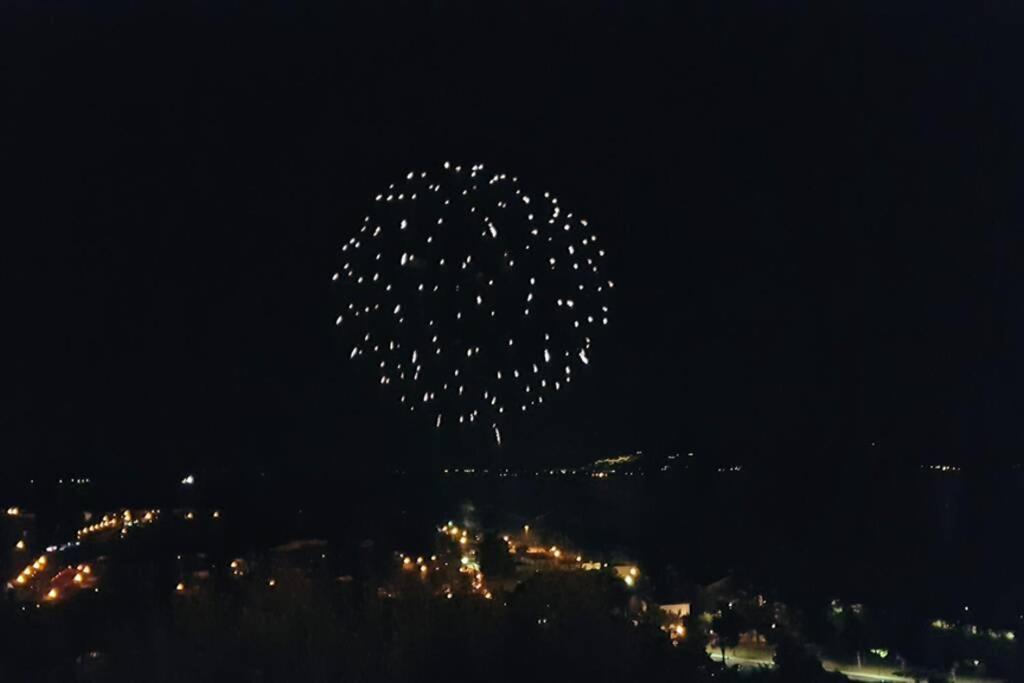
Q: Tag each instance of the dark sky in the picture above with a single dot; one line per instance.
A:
(813, 214)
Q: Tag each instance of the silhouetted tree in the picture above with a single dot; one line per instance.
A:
(728, 626)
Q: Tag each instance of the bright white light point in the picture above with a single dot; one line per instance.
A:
(497, 434)
(405, 258)
(355, 351)
(334, 277)
(337, 321)
(438, 425)
(494, 233)
(583, 357)
(397, 309)
(479, 299)
(569, 303)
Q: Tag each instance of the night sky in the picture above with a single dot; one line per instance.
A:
(812, 213)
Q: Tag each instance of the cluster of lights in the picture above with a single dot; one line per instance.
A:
(627, 465)
(421, 565)
(69, 580)
(465, 544)
(972, 629)
(559, 557)
(13, 512)
(107, 523)
(942, 468)
(124, 520)
(474, 300)
(30, 572)
(676, 631)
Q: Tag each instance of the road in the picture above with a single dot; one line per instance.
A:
(867, 673)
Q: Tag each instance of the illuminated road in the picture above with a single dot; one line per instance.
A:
(862, 674)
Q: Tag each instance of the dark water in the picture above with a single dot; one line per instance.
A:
(928, 542)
